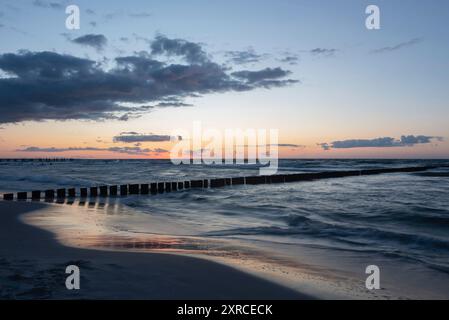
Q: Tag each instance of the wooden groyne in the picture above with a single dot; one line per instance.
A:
(164, 187)
(36, 159)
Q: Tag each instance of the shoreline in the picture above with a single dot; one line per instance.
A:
(33, 267)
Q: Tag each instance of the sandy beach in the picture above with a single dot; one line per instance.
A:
(32, 266)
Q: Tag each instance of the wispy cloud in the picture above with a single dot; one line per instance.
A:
(290, 59)
(244, 57)
(48, 4)
(323, 52)
(123, 150)
(398, 46)
(132, 137)
(140, 14)
(384, 142)
(96, 41)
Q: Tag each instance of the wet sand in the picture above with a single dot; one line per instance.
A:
(33, 262)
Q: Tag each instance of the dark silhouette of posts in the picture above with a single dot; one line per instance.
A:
(196, 183)
(71, 192)
(36, 195)
(113, 190)
(217, 183)
(144, 188)
(22, 195)
(168, 187)
(238, 181)
(103, 191)
(60, 193)
(133, 189)
(94, 192)
(49, 194)
(8, 196)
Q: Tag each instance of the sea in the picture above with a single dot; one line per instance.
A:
(319, 237)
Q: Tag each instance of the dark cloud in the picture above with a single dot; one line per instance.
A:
(124, 150)
(244, 57)
(135, 137)
(398, 46)
(291, 145)
(265, 77)
(93, 23)
(192, 52)
(323, 52)
(290, 59)
(385, 142)
(91, 12)
(52, 86)
(97, 41)
(128, 132)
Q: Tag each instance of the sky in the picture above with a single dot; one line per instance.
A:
(136, 71)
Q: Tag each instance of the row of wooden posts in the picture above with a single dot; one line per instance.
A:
(162, 187)
(35, 159)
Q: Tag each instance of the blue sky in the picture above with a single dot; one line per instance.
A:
(364, 84)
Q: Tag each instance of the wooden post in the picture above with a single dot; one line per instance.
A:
(113, 190)
(124, 190)
(60, 193)
(187, 184)
(153, 188)
(49, 194)
(168, 187)
(36, 195)
(255, 180)
(217, 183)
(94, 191)
(22, 195)
(103, 191)
(196, 183)
(83, 192)
(238, 180)
(8, 196)
(277, 178)
(174, 186)
(180, 185)
(72, 192)
(133, 189)
(160, 187)
(144, 188)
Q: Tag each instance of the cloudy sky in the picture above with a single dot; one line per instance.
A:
(134, 72)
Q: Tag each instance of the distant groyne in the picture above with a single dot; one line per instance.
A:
(35, 159)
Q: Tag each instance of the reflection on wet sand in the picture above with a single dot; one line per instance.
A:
(85, 223)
